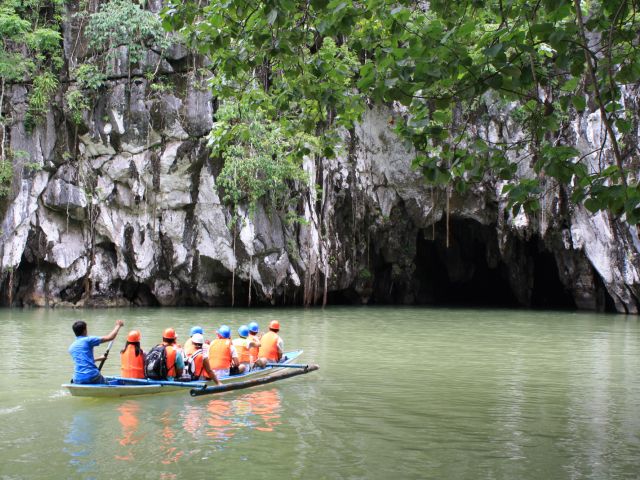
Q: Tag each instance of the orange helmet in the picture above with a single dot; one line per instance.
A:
(134, 336)
(274, 325)
(169, 333)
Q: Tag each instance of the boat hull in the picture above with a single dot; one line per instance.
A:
(125, 387)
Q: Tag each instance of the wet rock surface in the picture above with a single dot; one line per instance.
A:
(134, 216)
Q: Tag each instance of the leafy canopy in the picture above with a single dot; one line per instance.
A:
(30, 49)
(488, 87)
(260, 162)
(125, 23)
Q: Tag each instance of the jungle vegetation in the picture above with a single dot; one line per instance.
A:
(310, 68)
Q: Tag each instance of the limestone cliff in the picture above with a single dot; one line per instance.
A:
(125, 209)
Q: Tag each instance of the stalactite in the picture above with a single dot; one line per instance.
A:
(233, 270)
(250, 278)
(326, 277)
(448, 214)
(10, 286)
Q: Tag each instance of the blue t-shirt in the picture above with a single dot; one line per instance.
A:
(82, 353)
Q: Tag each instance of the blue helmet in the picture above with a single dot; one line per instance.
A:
(224, 331)
(195, 330)
(243, 331)
(253, 327)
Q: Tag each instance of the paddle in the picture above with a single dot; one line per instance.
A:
(106, 354)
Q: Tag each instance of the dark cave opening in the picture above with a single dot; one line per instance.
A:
(138, 294)
(469, 272)
(466, 273)
(548, 291)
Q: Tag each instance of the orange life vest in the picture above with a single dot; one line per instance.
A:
(253, 351)
(171, 351)
(269, 346)
(220, 354)
(242, 350)
(132, 366)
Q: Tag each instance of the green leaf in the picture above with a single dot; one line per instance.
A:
(272, 16)
(579, 102)
(441, 116)
(542, 29)
(592, 205)
(623, 126)
(570, 85)
(494, 50)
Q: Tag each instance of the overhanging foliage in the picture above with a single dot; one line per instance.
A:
(447, 63)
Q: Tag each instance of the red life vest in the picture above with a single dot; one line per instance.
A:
(132, 365)
(195, 366)
(269, 347)
(171, 351)
(220, 354)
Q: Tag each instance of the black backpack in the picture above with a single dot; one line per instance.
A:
(155, 363)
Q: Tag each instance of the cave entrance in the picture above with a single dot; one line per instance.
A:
(548, 291)
(467, 273)
(472, 273)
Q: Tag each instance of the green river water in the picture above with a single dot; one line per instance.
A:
(402, 393)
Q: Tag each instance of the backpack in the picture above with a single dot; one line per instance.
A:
(190, 366)
(155, 363)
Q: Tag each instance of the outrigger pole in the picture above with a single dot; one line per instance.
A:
(297, 370)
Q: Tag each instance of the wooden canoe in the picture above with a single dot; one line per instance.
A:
(121, 387)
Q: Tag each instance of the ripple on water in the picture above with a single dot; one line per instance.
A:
(59, 394)
(10, 410)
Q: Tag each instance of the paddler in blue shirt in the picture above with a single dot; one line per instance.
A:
(85, 369)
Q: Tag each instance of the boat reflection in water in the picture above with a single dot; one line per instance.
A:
(213, 422)
(221, 419)
(129, 421)
(170, 452)
(79, 443)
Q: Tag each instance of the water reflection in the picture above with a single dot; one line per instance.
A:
(80, 443)
(129, 422)
(221, 419)
(169, 446)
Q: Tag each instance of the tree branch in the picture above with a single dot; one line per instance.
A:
(603, 113)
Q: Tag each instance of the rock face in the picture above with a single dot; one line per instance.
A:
(126, 210)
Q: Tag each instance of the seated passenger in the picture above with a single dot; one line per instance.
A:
(132, 357)
(271, 346)
(168, 366)
(196, 367)
(243, 345)
(189, 348)
(222, 355)
(254, 336)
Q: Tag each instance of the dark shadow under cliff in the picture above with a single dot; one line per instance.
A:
(470, 271)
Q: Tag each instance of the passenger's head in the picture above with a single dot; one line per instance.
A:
(198, 340)
(274, 326)
(133, 337)
(169, 335)
(80, 328)
(253, 327)
(224, 331)
(195, 330)
(243, 331)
